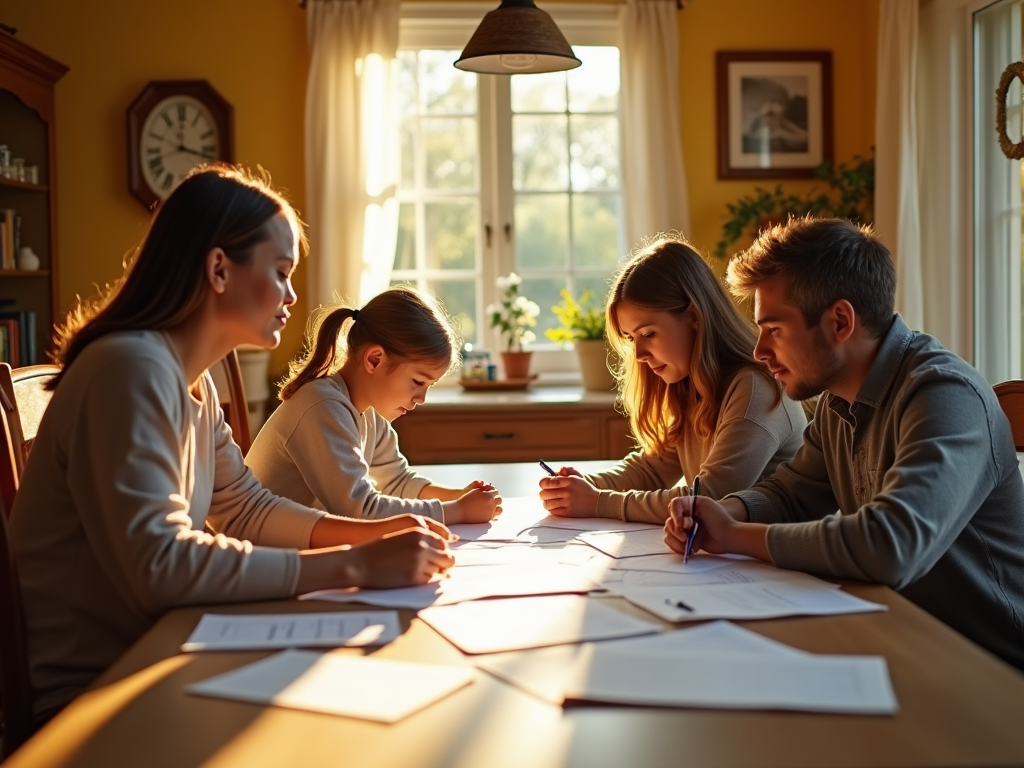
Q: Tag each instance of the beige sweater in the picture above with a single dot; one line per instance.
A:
(317, 449)
(108, 525)
(758, 429)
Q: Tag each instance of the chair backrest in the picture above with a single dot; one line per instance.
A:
(9, 474)
(237, 409)
(31, 399)
(15, 687)
(1011, 399)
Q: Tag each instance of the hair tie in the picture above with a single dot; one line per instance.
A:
(355, 314)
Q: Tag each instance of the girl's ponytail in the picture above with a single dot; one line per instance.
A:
(319, 360)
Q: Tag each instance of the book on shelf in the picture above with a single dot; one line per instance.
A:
(9, 225)
(20, 330)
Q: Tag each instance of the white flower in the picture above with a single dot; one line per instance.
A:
(529, 336)
(520, 303)
(532, 308)
(514, 279)
(492, 309)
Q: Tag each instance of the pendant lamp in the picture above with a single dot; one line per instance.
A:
(517, 38)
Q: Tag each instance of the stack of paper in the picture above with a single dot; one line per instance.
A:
(792, 597)
(716, 665)
(371, 689)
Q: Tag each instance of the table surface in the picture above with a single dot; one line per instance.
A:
(958, 704)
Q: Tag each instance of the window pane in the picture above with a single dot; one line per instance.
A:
(445, 90)
(594, 87)
(542, 231)
(595, 230)
(538, 93)
(459, 297)
(598, 287)
(540, 152)
(546, 292)
(450, 145)
(407, 137)
(594, 151)
(407, 82)
(405, 248)
(450, 231)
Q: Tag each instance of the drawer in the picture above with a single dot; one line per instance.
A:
(430, 439)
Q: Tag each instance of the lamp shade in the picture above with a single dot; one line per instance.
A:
(517, 38)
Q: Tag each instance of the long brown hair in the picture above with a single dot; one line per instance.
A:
(409, 325)
(667, 274)
(216, 206)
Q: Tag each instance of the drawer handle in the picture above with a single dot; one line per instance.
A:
(499, 435)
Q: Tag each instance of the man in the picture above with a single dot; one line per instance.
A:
(908, 442)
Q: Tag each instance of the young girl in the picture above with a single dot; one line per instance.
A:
(135, 499)
(330, 443)
(698, 403)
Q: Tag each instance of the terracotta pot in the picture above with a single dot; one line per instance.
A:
(593, 358)
(517, 364)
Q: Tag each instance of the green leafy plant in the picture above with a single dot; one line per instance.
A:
(513, 315)
(850, 194)
(581, 320)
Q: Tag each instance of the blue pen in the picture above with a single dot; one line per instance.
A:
(694, 492)
(547, 469)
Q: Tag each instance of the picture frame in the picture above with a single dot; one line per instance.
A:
(774, 113)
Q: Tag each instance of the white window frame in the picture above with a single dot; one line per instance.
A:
(450, 25)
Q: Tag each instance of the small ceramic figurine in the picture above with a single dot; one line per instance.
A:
(27, 259)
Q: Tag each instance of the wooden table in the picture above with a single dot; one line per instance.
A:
(959, 706)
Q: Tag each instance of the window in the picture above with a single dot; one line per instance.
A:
(503, 174)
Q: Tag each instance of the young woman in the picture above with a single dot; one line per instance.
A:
(698, 403)
(134, 499)
(330, 443)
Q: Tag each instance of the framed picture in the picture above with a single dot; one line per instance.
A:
(774, 113)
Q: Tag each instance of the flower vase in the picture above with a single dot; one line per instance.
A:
(593, 360)
(517, 364)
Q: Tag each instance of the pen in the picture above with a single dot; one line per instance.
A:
(679, 604)
(694, 492)
(547, 469)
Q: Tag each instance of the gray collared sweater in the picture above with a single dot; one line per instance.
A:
(922, 469)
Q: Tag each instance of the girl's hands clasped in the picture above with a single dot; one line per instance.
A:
(568, 494)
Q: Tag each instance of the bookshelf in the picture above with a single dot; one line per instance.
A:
(28, 298)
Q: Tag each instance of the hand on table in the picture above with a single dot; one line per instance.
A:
(400, 559)
(716, 524)
(568, 494)
(405, 522)
(479, 504)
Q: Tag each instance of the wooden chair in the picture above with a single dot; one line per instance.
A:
(1011, 399)
(26, 387)
(15, 688)
(236, 407)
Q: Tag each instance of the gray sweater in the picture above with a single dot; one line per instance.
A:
(757, 430)
(108, 527)
(923, 471)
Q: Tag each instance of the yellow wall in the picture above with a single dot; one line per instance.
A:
(848, 28)
(254, 53)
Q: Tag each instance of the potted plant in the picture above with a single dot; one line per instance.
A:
(513, 316)
(850, 195)
(583, 324)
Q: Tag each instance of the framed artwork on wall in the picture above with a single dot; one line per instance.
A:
(774, 113)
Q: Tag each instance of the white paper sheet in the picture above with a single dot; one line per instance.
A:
(219, 632)
(367, 688)
(470, 583)
(489, 626)
(619, 544)
(746, 601)
(548, 672)
(476, 553)
(729, 572)
(809, 683)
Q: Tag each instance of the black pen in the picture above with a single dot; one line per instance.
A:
(547, 469)
(694, 492)
(679, 604)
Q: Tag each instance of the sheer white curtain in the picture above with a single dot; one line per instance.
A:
(351, 147)
(652, 152)
(897, 213)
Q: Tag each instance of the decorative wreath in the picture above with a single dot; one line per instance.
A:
(1011, 150)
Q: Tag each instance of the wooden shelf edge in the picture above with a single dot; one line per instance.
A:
(5, 182)
(24, 273)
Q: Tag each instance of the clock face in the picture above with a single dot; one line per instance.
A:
(178, 134)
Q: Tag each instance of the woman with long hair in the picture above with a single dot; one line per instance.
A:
(698, 403)
(330, 443)
(135, 499)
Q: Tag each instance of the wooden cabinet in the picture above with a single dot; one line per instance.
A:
(27, 80)
(556, 424)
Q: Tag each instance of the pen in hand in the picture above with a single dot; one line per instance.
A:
(547, 469)
(694, 492)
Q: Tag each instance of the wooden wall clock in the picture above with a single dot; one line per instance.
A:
(173, 126)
